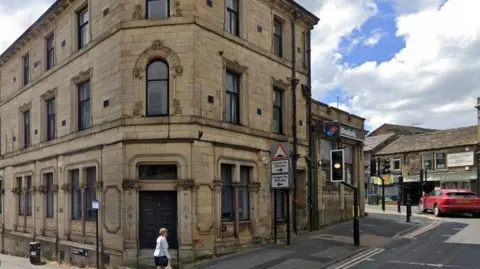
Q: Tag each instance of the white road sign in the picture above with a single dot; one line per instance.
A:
(280, 181)
(279, 166)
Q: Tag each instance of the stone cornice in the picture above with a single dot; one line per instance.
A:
(35, 29)
(49, 94)
(288, 6)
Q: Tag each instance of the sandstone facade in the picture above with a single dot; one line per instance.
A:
(103, 140)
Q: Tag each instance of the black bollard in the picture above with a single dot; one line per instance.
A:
(399, 206)
(409, 209)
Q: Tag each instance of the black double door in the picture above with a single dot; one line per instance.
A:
(158, 209)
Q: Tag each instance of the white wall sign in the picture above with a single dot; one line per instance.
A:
(279, 166)
(280, 181)
(460, 159)
(95, 204)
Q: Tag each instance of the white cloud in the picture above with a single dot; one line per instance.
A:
(433, 81)
(16, 16)
(374, 38)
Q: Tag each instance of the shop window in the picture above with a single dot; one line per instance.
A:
(48, 178)
(90, 194)
(157, 172)
(440, 160)
(76, 195)
(227, 193)
(244, 194)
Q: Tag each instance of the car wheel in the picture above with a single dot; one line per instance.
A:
(436, 211)
(421, 208)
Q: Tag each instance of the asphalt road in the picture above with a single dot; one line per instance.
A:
(453, 243)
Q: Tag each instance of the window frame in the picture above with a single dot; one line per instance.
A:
(26, 69)
(230, 189)
(167, 80)
(397, 159)
(51, 118)
(81, 103)
(81, 25)
(278, 106)
(147, 10)
(236, 83)
(444, 160)
(76, 191)
(50, 51)
(158, 176)
(236, 11)
(26, 129)
(432, 155)
(49, 200)
(278, 51)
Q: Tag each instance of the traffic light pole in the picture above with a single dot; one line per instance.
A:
(356, 223)
(383, 183)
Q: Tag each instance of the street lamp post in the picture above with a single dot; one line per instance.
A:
(96, 206)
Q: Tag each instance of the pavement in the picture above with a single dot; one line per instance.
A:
(14, 262)
(448, 242)
(317, 250)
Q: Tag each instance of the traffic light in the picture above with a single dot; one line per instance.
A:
(386, 166)
(373, 167)
(337, 165)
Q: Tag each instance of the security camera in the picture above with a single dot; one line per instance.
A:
(265, 160)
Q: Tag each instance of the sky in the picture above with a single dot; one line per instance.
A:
(409, 62)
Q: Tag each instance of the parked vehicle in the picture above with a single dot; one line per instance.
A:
(450, 202)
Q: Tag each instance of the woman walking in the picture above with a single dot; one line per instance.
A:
(161, 250)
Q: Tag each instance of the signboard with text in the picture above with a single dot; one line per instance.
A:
(280, 166)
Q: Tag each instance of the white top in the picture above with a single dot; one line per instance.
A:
(162, 247)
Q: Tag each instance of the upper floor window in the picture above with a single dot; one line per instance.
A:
(26, 129)
(51, 119)
(83, 28)
(427, 161)
(440, 160)
(26, 69)
(277, 111)
(50, 52)
(84, 106)
(277, 38)
(396, 164)
(233, 98)
(158, 9)
(157, 89)
(233, 20)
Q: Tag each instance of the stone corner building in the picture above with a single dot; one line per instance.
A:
(164, 112)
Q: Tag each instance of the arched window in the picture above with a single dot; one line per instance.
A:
(157, 89)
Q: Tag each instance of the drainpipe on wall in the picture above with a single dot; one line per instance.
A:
(294, 82)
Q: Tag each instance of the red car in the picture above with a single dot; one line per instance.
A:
(450, 201)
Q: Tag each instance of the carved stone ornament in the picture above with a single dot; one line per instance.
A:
(280, 83)
(176, 8)
(55, 188)
(82, 76)
(176, 105)
(217, 185)
(50, 94)
(131, 185)
(25, 107)
(306, 91)
(138, 14)
(137, 108)
(42, 189)
(15, 191)
(83, 185)
(254, 186)
(185, 184)
(26, 190)
(99, 186)
(157, 50)
(234, 66)
(67, 188)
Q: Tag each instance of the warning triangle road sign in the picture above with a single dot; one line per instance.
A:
(280, 152)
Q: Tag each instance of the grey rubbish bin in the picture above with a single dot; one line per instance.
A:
(34, 252)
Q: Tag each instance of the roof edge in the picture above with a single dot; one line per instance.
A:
(337, 109)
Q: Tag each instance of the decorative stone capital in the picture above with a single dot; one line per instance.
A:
(185, 184)
(139, 13)
(66, 188)
(137, 108)
(131, 185)
(55, 188)
(236, 185)
(50, 94)
(217, 185)
(254, 186)
(15, 191)
(306, 91)
(99, 186)
(42, 189)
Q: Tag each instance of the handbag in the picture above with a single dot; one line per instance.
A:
(163, 261)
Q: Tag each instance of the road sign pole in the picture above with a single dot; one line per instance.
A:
(288, 218)
(275, 215)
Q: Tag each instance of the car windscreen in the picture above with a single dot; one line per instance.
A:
(461, 195)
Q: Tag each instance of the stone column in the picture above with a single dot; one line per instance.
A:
(253, 189)
(130, 194)
(185, 187)
(83, 187)
(236, 205)
(217, 189)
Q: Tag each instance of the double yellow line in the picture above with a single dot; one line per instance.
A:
(422, 230)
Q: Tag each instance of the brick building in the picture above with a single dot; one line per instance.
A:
(447, 156)
(145, 103)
